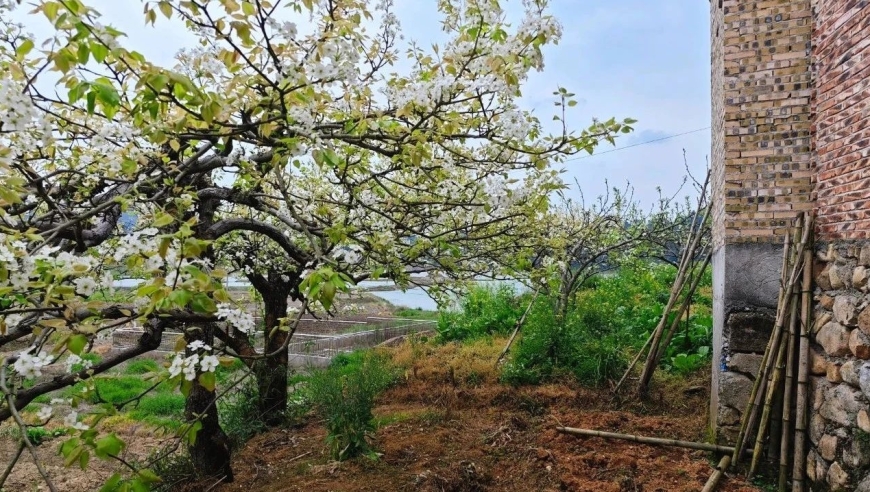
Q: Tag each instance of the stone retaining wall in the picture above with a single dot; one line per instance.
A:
(839, 428)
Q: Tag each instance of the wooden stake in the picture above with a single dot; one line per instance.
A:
(703, 446)
(684, 308)
(713, 481)
(801, 406)
(517, 328)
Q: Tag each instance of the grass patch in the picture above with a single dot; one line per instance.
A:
(416, 313)
(141, 366)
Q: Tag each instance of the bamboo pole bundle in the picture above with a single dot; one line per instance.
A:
(755, 403)
(760, 379)
(676, 289)
(684, 307)
(703, 446)
(785, 312)
(801, 406)
(713, 481)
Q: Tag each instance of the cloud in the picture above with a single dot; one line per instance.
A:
(654, 137)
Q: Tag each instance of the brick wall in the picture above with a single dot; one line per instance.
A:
(717, 91)
(841, 53)
(766, 74)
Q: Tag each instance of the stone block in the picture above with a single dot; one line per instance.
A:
(834, 338)
(833, 373)
(817, 428)
(749, 331)
(821, 319)
(864, 256)
(864, 420)
(849, 373)
(819, 388)
(838, 479)
(828, 447)
(855, 455)
(745, 363)
(846, 310)
(838, 275)
(728, 416)
(864, 321)
(812, 468)
(818, 363)
(842, 404)
(823, 278)
(859, 277)
(859, 344)
(826, 302)
(734, 389)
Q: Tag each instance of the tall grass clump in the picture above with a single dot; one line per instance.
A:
(484, 311)
(344, 396)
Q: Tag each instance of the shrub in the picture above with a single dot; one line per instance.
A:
(240, 415)
(609, 320)
(344, 395)
(549, 349)
(484, 311)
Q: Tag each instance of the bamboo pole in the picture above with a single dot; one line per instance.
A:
(779, 329)
(633, 362)
(517, 327)
(684, 308)
(761, 378)
(718, 473)
(801, 406)
(772, 387)
(788, 393)
(703, 446)
(689, 254)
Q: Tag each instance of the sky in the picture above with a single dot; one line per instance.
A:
(628, 58)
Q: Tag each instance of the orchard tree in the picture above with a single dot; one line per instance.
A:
(290, 124)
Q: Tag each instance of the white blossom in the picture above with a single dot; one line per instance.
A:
(209, 363)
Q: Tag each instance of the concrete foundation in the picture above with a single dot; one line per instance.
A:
(746, 280)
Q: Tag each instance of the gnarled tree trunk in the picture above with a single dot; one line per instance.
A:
(271, 372)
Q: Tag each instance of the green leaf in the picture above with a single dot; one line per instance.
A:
(190, 436)
(202, 303)
(99, 51)
(207, 380)
(112, 483)
(84, 457)
(180, 297)
(148, 476)
(166, 8)
(92, 101)
(108, 446)
(163, 219)
(77, 343)
(83, 53)
(24, 48)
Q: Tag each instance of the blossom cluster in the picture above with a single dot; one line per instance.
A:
(188, 365)
(241, 320)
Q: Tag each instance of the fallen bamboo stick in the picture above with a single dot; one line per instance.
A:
(517, 327)
(703, 446)
(801, 406)
(717, 475)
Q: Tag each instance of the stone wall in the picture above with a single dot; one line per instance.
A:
(840, 425)
(839, 428)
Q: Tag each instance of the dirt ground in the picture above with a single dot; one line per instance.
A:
(454, 437)
(444, 430)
